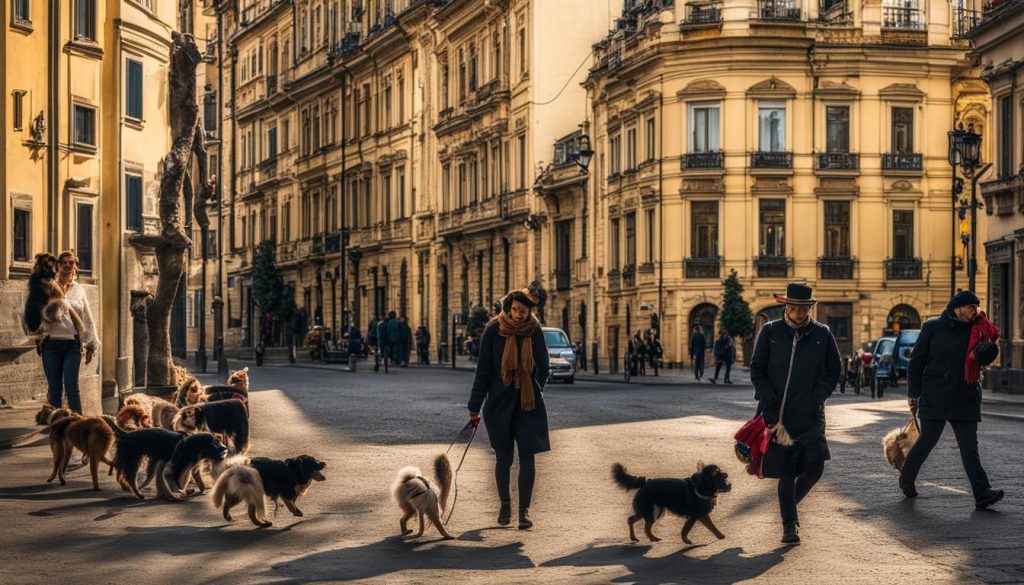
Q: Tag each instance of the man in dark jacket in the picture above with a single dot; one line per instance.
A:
(423, 344)
(383, 349)
(725, 354)
(395, 338)
(936, 389)
(698, 345)
(795, 368)
(406, 340)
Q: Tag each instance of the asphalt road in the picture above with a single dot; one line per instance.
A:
(857, 527)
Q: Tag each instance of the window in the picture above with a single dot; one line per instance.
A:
(474, 181)
(631, 239)
(22, 234)
(85, 125)
(649, 220)
(462, 74)
(366, 109)
(316, 127)
(83, 236)
(472, 67)
(133, 90)
(210, 112)
(385, 195)
(496, 46)
(445, 101)
(837, 229)
(837, 129)
(19, 109)
(286, 221)
(462, 185)
(903, 130)
(446, 185)
(704, 134)
(272, 142)
(630, 149)
(22, 10)
(704, 227)
(387, 105)
(211, 243)
(401, 192)
(522, 162)
(773, 226)
(133, 202)
(651, 148)
(85, 20)
(771, 117)
(615, 146)
(1006, 137)
(902, 233)
(401, 99)
(521, 35)
(212, 165)
(614, 245)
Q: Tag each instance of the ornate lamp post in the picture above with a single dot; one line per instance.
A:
(584, 154)
(965, 152)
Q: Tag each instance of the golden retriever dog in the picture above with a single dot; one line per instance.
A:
(417, 495)
(133, 416)
(141, 399)
(93, 436)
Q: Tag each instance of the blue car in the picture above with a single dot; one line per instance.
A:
(884, 365)
(905, 341)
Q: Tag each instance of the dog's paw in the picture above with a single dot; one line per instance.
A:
(449, 537)
(407, 532)
(721, 537)
(687, 540)
(297, 512)
(655, 539)
(634, 539)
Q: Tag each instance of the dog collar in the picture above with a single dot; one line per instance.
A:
(702, 496)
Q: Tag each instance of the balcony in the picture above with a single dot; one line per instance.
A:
(838, 161)
(316, 247)
(563, 279)
(629, 275)
(836, 267)
(332, 242)
(771, 160)
(902, 19)
(964, 19)
(772, 266)
(902, 162)
(703, 160)
(834, 12)
(781, 10)
(703, 267)
(271, 85)
(698, 14)
(903, 269)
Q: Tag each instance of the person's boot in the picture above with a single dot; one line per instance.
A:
(790, 532)
(505, 514)
(988, 497)
(713, 380)
(908, 489)
(524, 519)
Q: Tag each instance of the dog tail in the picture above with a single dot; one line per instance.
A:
(240, 483)
(112, 423)
(404, 475)
(625, 480)
(443, 475)
(59, 428)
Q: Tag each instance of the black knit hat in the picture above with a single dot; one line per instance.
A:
(963, 299)
(986, 352)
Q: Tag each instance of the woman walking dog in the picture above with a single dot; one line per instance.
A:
(796, 361)
(510, 374)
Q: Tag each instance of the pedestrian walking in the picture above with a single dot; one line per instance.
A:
(394, 339)
(656, 352)
(725, 354)
(796, 362)
(509, 384)
(942, 390)
(698, 345)
(406, 341)
(641, 352)
(382, 346)
(371, 331)
(423, 344)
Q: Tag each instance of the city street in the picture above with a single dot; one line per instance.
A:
(856, 525)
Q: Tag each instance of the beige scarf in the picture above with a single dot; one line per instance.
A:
(516, 360)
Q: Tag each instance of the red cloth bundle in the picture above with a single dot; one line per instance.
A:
(982, 330)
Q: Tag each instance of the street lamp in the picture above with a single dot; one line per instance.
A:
(583, 153)
(965, 152)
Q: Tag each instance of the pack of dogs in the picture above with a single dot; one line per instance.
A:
(206, 429)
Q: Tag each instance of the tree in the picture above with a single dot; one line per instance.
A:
(477, 320)
(267, 283)
(736, 318)
(171, 244)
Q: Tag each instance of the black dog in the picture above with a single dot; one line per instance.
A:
(188, 455)
(288, 480)
(225, 417)
(248, 481)
(158, 446)
(44, 270)
(692, 498)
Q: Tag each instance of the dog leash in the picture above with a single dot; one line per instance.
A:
(455, 479)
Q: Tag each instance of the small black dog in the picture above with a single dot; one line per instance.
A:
(158, 446)
(288, 480)
(44, 270)
(693, 498)
(225, 417)
(183, 466)
(248, 481)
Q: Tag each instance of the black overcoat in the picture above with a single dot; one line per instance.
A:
(506, 422)
(816, 370)
(935, 375)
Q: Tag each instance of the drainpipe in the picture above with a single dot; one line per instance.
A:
(53, 136)
(661, 203)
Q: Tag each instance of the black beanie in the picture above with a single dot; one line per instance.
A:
(964, 298)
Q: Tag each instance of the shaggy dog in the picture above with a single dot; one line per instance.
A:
(416, 494)
(190, 391)
(44, 271)
(144, 401)
(48, 414)
(237, 387)
(133, 417)
(248, 481)
(225, 417)
(898, 442)
(163, 413)
(186, 459)
(158, 447)
(93, 436)
(693, 498)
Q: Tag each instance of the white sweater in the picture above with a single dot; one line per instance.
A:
(76, 297)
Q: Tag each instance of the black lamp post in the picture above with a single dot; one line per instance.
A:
(584, 154)
(965, 152)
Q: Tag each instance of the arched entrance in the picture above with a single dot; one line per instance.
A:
(703, 316)
(765, 315)
(902, 317)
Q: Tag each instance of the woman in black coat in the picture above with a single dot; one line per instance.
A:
(799, 352)
(510, 376)
(937, 388)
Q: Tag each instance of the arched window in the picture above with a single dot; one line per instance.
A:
(902, 317)
(766, 315)
(703, 316)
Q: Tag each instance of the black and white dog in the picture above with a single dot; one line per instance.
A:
(247, 481)
(227, 418)
(161, 447)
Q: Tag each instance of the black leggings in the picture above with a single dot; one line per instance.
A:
(527, 475)
(793, 489)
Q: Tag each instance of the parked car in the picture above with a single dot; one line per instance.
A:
(561, 353)
(882, 359)
(905, 341)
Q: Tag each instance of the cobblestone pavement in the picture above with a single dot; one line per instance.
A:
(857, 527)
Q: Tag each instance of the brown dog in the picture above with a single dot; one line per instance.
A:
(190, 391)
(898, 442)
(92, 435)
(132, 417)
(163, 413)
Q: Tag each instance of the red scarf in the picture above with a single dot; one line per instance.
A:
(981, 330)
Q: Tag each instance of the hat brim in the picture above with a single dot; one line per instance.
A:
(788, 301)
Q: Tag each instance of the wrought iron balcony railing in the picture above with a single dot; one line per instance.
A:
(964, 19)
(836, 267)
(703, 267)
(903, 269)
(704, 160)
(838, 161)
(708, 13)
(786, 10)
(903, 19)
(772, 266)
(902, 161)
(771, 160)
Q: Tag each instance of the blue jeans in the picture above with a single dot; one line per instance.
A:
(62, 360)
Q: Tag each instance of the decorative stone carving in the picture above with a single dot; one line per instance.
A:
(837, 186)
(702, 186)
(702, 88)
(773, 185)
(772, 87)
(901, 90)
(901, 185)
(38, 127)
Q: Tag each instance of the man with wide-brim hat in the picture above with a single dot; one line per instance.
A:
(795, 368)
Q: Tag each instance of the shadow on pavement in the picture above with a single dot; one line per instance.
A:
(397, 555)
(727, 566)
